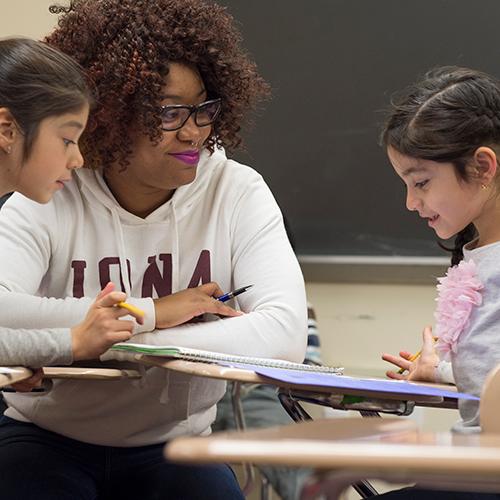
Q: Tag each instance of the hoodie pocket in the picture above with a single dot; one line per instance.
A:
(176, 394)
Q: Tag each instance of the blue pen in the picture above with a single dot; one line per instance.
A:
(230, 295)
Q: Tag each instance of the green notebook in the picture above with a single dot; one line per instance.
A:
(189, 354)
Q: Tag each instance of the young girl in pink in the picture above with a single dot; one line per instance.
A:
(443, 140)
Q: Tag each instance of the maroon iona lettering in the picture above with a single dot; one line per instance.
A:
(105, 272)
(153, 279)
(202, 270)
(78, 267)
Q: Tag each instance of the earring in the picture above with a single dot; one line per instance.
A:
(484, 186)
(8, 150)
(194, 144)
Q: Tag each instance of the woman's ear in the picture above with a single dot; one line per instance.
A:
(485, 165)
(8, 130)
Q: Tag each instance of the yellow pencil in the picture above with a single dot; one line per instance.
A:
(413, 358)
(131, 308)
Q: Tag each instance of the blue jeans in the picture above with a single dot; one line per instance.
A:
(39, 464)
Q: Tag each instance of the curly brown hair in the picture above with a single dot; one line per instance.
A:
(125, 46)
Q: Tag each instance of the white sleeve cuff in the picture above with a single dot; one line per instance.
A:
(444, 373)
(147, 305)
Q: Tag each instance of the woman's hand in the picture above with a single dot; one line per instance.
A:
(423, 368)
(180, 307)
(102, 327)
(30, 383)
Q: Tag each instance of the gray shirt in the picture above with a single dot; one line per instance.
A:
(479, 344)
(35, 348)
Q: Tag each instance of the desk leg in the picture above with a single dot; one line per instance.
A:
(293, 407)
(265, 488)
(298, 414)
(239, 419)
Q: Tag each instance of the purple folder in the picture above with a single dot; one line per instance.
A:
(350, 383)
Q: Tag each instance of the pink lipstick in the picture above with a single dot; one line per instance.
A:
(188, 157)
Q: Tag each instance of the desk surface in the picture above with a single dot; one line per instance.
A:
(200, 369)
(356, 444)
(12, 374)
(63, 372)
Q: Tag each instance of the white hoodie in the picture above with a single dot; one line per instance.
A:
(224, 227)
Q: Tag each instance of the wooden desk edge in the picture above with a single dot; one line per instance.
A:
(209, 370)
(357, 444)
(70, 372)
(12, 374)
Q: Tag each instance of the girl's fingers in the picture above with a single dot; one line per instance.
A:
(30, 383)
(107, 289)
(120, 312)
(397, 361)
(395, 375)
(428, 338)
(122, 325)
(111, 299)
(120, 336)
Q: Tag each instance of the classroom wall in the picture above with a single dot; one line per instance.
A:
(358, 322)
(27, 17)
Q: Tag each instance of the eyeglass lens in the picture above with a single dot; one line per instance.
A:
(174, 117)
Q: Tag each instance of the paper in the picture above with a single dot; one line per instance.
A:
(360, 384)
(218, 357)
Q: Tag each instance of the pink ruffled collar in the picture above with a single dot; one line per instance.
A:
(458, 294)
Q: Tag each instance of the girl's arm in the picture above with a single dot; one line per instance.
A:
(29, 236)
(35, 348)
(102, 327)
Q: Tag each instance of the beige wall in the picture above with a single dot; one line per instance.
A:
(29, 18)
(357, 322)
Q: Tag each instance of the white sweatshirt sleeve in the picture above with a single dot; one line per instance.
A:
(275, 323)
(27, 235)
(35, 348)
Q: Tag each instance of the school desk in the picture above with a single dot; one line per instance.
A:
(12, 374)
(347, 450)
(292, 395)
(331, 396)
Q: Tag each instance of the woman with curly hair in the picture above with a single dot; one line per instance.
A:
(161, 208)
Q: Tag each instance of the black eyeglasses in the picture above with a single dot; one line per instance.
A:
(174, 116)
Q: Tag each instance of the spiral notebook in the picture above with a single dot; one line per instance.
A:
(189, 354)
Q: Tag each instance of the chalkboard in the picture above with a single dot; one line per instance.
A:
(333, 65)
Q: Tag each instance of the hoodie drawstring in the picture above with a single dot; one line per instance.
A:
(125, 276)
(121, 251)
(164, 396)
